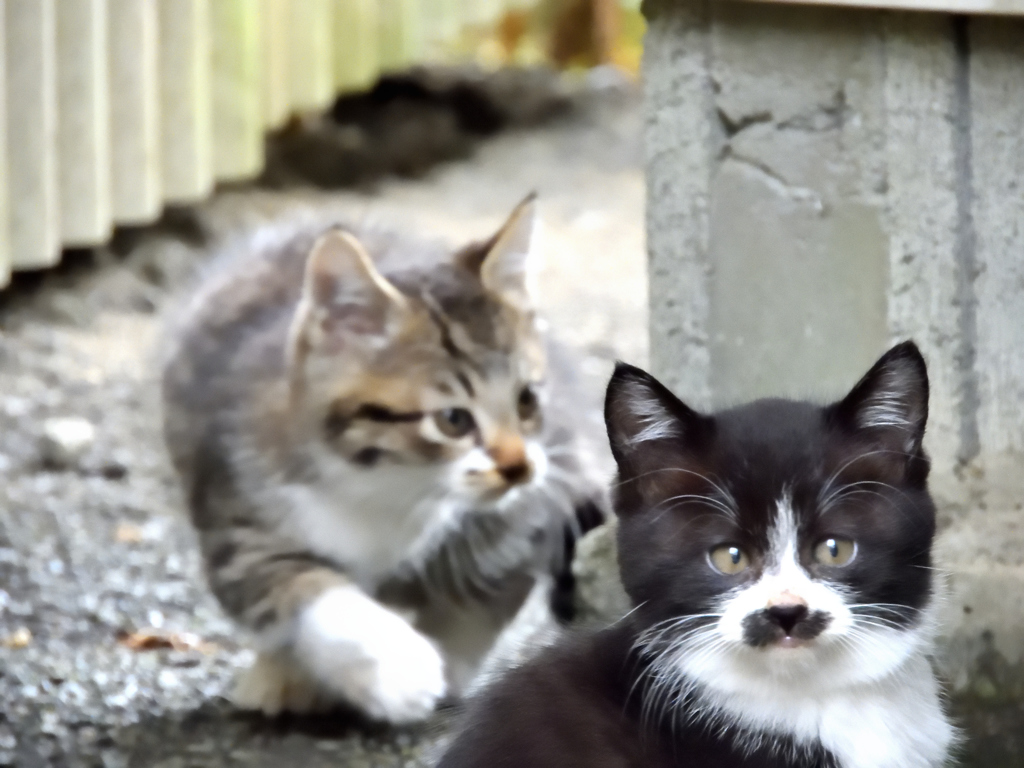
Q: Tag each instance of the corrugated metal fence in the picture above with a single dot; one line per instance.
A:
(110, 109)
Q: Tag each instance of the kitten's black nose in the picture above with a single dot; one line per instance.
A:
(787, 615)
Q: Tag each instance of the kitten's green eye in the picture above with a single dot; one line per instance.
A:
(527, 404)
(455, 422)
(729, 560)
(835, 551)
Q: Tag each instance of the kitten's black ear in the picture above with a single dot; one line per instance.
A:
(506, 263)
(344, 297)
(890, 404)
(649, 428)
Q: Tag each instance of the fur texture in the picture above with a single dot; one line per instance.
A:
(382, 451)
(778, 555)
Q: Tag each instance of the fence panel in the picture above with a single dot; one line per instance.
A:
(311, 58)
(136, 193)
(237, 94)
(83, 122)
(186, 134)
(5, 243)
(32, 133)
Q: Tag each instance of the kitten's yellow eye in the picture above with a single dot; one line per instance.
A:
(455, 422)
(729, 560)
(835, 551)
(527, 404)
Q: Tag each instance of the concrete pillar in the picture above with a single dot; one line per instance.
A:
(797, 224)
(186, 131)
(926, 276)
(793, 216)
(31, 38)
(274, 62)
(83, 121)
(311, 58)
(5, 243)
(134, 111)
(356, 44)
(822, 182)
(995, 84)
(678, 140)
(237, 89)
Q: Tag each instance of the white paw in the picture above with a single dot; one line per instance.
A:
(273, 685)
(367, 655)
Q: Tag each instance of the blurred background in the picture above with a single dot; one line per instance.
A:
(750, 197)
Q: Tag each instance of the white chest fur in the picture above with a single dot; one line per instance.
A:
(897, 723)
(894, 722)
(367, 521)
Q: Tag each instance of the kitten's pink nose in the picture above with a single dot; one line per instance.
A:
(509, 454)
(785, 597)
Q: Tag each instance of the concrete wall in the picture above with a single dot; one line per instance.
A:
(821, 183)
(824, 181)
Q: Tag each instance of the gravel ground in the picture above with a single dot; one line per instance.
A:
(94, 549)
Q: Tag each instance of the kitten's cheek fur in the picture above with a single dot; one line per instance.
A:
(369, 656)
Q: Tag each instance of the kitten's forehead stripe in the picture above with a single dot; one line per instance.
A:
(458, 355)
(466, 383)
(783, 535)
(437, 316)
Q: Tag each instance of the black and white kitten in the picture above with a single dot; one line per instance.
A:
(778, 557)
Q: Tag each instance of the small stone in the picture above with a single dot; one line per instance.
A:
(19, 638)
(984, 688)
(65, 440)
(50, 723)
(600, 597)
(168, 680)
(16, 406)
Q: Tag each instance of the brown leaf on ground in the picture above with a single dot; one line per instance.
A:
(127, 533)
(153, 639)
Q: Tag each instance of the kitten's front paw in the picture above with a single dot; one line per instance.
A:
(273, 685)
(406, 684)
(370, 657)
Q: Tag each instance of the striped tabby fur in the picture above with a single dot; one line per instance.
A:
(382, 454)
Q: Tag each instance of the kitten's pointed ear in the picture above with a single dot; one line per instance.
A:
(344, 296)
(506, 262)
(890, 404)
(649, 428)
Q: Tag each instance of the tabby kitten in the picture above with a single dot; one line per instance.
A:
(778, 555)
(382, 452)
